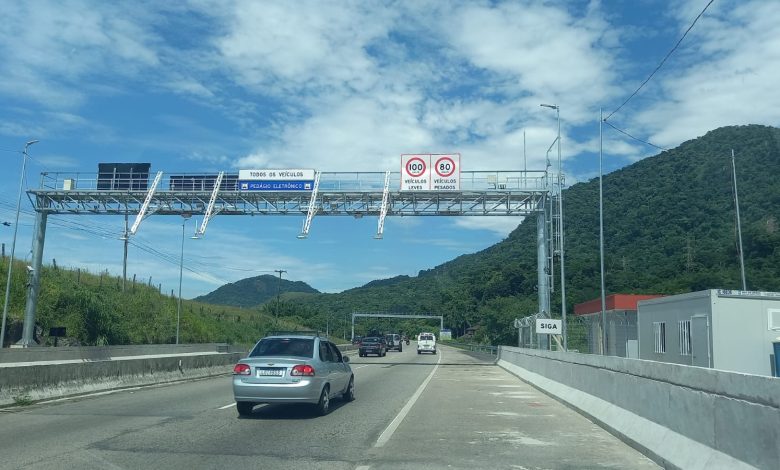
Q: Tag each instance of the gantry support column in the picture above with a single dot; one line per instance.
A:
(39, 236)
(542, 268)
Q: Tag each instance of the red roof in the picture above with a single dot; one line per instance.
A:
(613, 302)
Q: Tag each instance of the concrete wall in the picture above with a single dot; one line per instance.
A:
(683, 417)
(101, 353)
(52, 380)
(45, 373)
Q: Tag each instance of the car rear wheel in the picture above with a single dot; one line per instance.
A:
(349, 395)
(244, 408)
(323, 406)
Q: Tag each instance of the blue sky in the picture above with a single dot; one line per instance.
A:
(203, 86)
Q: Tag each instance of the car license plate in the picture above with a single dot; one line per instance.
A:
(270, 372)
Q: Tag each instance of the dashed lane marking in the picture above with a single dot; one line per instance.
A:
(388, 432)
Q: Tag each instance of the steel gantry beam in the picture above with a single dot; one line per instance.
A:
(356, 194)
(142, 212)
(383, 208)
(353, 194)
(394, 315)
(210, 208)
(312, 207)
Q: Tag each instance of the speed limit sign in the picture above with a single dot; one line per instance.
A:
(415, 172)
(446, 172)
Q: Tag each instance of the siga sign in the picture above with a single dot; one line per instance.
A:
(430, 172)
(546, 326)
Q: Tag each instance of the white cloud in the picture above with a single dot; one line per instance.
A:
(53, 51)
(726, 74)
(290, 46)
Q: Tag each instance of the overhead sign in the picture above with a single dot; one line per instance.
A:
(295, 174)
(430, 172)
(446, 172)
(294, 179)
(546, 326)
(275, 185)
(415, 172)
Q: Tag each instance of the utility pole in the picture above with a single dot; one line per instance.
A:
(278, 293)
(601, 237)
(126, 239)
(739, 223)
(13, 243)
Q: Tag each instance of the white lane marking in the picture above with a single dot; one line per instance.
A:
(233, 404)
(356, 368)
(388, 432)
(363, 467)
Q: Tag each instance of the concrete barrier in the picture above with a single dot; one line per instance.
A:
(64, 378)
(681, 416)
(46, 373)
(102, 353)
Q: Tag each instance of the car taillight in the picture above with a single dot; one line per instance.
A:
(242, 369)
(302, 369)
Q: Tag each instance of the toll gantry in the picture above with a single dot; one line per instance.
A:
(136, 192)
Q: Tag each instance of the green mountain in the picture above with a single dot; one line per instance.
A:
(669, 228)
(254, 291)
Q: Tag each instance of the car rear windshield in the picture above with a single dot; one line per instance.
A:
(426, 338)
(296, 347)
(370, 340)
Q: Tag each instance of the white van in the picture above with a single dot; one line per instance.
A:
(426, 342)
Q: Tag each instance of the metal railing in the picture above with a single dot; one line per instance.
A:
(500, 181)
(483, 348)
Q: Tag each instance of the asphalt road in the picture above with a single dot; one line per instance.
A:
(454, 410)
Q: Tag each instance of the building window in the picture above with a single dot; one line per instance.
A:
(659, 331)
(684, 330)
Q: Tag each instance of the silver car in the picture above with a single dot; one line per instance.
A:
(292, 368)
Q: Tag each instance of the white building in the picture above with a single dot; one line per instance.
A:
(721, 329)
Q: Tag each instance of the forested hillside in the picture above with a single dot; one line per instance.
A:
(95, 311)
(254, 291)
(669, 228)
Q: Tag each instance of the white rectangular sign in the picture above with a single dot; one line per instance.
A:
(546, 326)
(293, 174)
(430, 172)
(445, 172)
(415, 172)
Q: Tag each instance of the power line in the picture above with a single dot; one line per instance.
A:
(662, 62)
(635, 138)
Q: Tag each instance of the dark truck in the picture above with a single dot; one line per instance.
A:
(393, 341)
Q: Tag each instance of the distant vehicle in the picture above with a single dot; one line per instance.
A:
(292, 368)
(356, 340)
(372, 345)
(426, 342)
(394, 342)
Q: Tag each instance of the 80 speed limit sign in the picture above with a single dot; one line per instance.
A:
(446, 172)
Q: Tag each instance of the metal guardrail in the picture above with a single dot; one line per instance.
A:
(484, 348)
